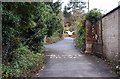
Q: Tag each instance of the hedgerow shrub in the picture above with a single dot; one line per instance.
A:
(24, 25)
(54, 38)
(80, 38)
(80, 33)
(23, 60)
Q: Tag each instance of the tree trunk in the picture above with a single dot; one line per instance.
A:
(88, 37)
(45, 39)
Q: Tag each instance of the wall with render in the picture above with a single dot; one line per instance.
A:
(111, 35)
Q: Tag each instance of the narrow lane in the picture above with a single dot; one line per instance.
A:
(63, 60)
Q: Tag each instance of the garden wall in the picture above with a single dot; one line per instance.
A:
(111, 35)
(107, 44)
(108, 30)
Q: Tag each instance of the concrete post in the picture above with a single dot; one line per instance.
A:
(88, 37)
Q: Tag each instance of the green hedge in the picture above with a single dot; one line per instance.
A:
(24, 60)
(80, 38)
(54, 38)
(24, 25)
(80, 32)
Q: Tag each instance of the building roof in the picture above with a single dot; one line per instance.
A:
(111, 11)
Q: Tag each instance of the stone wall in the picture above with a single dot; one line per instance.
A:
(119, 35)
(110, 35)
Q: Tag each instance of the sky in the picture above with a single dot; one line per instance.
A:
(104, 5)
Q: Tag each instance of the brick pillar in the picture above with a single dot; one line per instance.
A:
(88, 37)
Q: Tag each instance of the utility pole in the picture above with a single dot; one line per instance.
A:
(88, 5)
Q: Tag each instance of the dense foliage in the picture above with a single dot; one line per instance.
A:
(93, 16)
(80, 33)
(24, 26)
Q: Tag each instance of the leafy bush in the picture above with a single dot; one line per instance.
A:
(93, 16)
(54, 38)
(118, 70)
(80, 33)
(24, 26)
(80, 38)
(24, 59)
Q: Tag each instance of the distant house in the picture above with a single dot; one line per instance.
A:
(70, 33)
